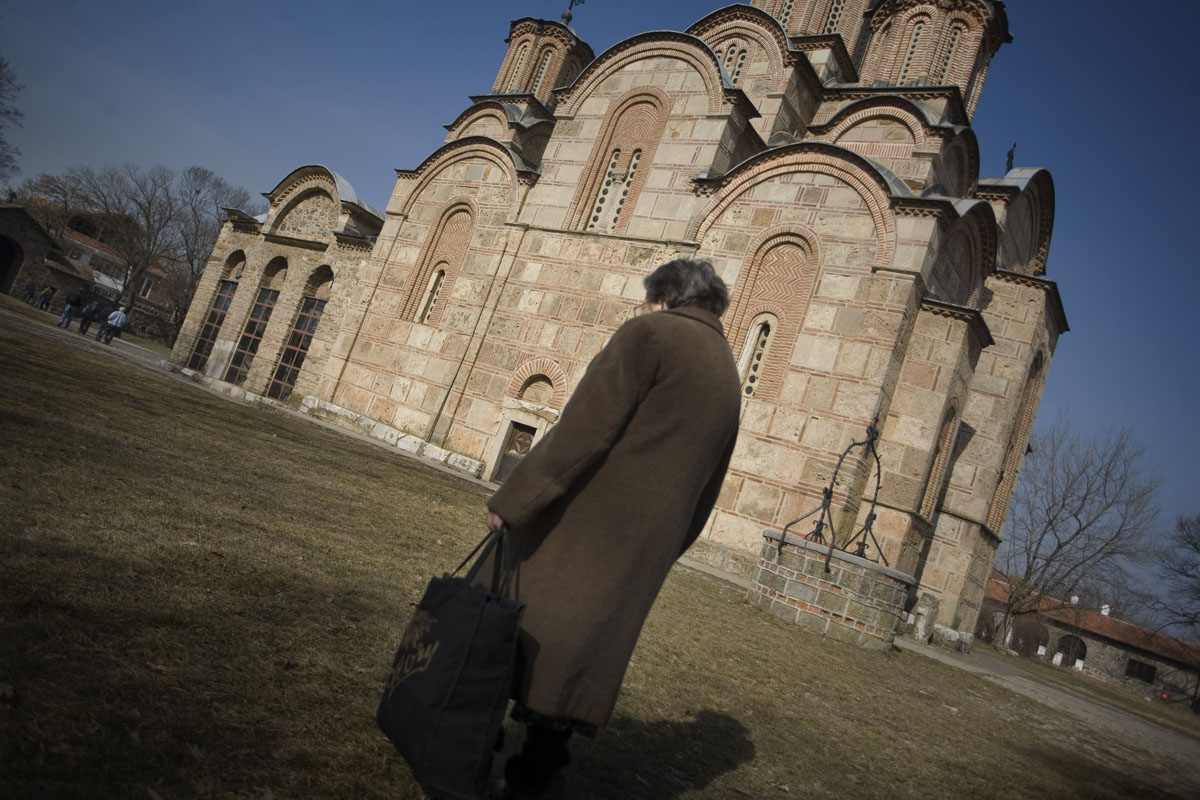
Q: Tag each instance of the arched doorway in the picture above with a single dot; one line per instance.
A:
(11, 257)
(1070, 651)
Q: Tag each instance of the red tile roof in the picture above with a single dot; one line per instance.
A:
(1098, 624)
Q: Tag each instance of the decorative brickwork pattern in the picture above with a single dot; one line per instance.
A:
(443, 253)
(543, 367)
(646, 47)
(612, 181)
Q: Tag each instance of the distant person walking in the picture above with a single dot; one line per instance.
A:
(28, 291)
(89, 313)
(74, 301)
(112, 326)
(43, 301)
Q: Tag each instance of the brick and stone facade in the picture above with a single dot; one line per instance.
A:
(820, 154)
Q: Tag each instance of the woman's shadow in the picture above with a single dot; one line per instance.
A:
(655, 760)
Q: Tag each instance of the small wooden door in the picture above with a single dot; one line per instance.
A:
(520, 439)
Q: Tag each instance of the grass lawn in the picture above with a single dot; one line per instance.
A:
(201, 599)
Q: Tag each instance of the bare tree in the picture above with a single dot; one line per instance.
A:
(202, 196)
(142, 213)
(1179, 567)
(1083, 511)
(53, 200)
(10, 115)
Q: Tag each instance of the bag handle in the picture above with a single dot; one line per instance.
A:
(493, 540)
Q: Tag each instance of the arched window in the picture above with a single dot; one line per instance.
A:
(543, 65)
(755, 352)
(444, 251)
(615, 172)
(911, 53)
(1018, 440)
(739, 63)
(734, 61)
(835, 16)
(295, 349)
(431, 294)
(951, 49)
(514, 77)
(256, 325)
(937, 469)
(212, 325)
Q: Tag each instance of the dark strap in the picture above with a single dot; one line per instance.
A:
(492, 541)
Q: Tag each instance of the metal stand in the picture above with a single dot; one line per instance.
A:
(825, 517)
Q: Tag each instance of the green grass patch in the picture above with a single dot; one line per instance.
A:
(200, 599)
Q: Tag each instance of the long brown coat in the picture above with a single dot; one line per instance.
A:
(603, 506)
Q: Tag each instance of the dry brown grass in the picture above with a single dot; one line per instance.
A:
(200, 599)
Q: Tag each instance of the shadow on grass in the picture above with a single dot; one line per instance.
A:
(658, 760)
(129, 677)
(1076, 768)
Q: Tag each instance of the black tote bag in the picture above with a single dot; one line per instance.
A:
(445, 699)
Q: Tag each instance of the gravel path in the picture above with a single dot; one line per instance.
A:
(1139, 747)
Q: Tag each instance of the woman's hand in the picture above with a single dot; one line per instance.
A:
(494, 522)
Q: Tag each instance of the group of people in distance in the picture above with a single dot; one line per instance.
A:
(111, 322)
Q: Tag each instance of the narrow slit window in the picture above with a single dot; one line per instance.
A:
(737, 67)
(752, 372)
(603, 198)
(835, 16)
(785, 13)
(951, 49)
(543, 65)
(625, 187)
(515, 76)
(431, 296)
(911, 53)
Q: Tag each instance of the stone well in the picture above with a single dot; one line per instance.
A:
(856, 601)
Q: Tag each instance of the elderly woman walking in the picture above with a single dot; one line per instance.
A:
(606, 502)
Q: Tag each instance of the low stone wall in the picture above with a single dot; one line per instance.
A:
(857, 601)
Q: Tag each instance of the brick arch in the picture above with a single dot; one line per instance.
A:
(807, 158)
(452, 153)
(483, 115)
(648, 46)
(235, 264)
(515, 69)
(778, 277)
(851, 118)
(314, 177)
(319, 194)
(320, 280)
(746, 28)
(446, 244)
(533, 368)
(634, 121)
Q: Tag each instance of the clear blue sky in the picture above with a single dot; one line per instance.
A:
(255, 89)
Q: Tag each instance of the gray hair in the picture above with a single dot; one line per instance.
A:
(684, 282)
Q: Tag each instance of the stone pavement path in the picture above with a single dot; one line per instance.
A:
(1169, 760)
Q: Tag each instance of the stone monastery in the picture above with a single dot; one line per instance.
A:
(818, 152)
